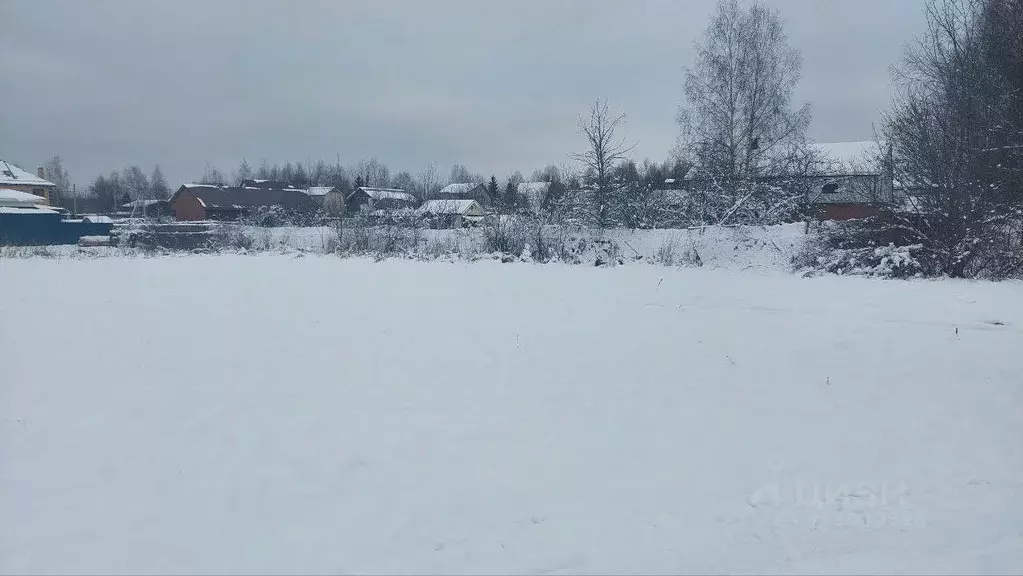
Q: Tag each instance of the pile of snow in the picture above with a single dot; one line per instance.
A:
(315, 415)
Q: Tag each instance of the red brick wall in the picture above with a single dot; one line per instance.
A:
(187, 207)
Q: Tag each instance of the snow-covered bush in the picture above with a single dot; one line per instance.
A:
(884, 261)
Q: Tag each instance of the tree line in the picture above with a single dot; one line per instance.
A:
(952, 144)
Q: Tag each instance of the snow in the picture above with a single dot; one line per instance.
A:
(458, 188)
(503, 418)
(26, 210)
(445, 206)
(11, 174)
(17, 198)
(388, 194)
(98, 219)
(319, 190)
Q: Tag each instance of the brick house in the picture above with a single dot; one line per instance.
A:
(14, 178)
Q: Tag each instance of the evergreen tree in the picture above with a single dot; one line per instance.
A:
(494, 191)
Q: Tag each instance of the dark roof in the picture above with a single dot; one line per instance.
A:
(238, 198)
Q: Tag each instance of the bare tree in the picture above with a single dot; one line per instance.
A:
(244, 172)
(460, 174)
(427, 181)
(373, 173)
(737, 122)
(136, 183)
(211, 175)
(54, 171)
(605, 138)
(158, 188)
(956, 139)
(404, 181)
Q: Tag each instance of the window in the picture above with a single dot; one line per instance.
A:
(829, 188)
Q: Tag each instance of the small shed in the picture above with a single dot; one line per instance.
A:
(452, 213)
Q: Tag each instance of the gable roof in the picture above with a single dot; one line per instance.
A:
(16, 198)
(439, 207)
(11, 174)
(459, 188)
(238, 198)
(386, 194)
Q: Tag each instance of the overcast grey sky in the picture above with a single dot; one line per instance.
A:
(496, 86)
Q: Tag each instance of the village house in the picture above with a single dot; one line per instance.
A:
(366, 199)
(451, 213)
(14, 178)
(466, 191)
(850, 182)
(216, 202)
(329, 199)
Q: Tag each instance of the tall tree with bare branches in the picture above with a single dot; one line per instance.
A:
(606, 147)
(738, 121)
(956, 140)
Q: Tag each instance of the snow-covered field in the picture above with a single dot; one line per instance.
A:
(274, 413)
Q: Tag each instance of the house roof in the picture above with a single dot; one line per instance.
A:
(439, 207)
(11, 174)
(534, 192)
(238, 198)
(458, 188)
(15, 198)
(320, 190)
(387, 194)
(27, 210)
(271, 184)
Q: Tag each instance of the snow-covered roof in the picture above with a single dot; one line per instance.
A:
(446, 206)
(11, 174)
(97, 219)
(319, 190)
(197, 185)
(849, 157)
(9, 197)
(388, 194)
(459, 188)
(534, 192)
(27, 210)
(140, 203)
